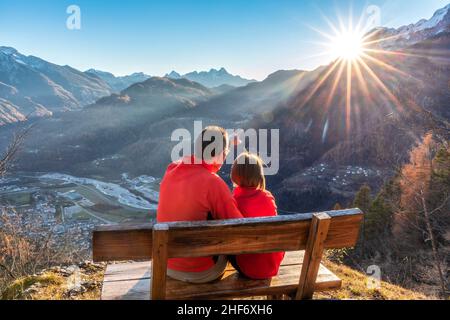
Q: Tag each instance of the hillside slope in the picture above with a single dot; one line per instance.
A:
(58, 284)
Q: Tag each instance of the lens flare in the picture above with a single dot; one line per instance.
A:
(348, 45)
(355, 50)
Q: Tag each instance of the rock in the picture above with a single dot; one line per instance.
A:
(89, 267)
(89, 285)
(76, 291)
(31, 290)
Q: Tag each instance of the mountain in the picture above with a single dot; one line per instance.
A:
(413, 33)
(117, 84)
(9, 113)
(173, 75)
(122, 128)
(212, 78)
(329, 148)
(37, 87)
(96, 138)
(257, 98)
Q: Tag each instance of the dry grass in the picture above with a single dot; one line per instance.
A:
(354, 287)
(51, 285)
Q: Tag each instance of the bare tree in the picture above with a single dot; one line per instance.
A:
(12, 150)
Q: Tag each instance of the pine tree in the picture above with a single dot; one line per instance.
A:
(378, 216)
(362, 199)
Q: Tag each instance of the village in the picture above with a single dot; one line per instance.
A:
(62, 205)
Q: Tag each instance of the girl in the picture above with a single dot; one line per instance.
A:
(253, 200)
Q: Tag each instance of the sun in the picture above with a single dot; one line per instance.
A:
(357, 56)
(347, 45)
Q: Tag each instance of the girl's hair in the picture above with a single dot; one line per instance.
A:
(248, 171)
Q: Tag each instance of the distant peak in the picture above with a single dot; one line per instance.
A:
(173, 74)
(221, 70)
(8, 50)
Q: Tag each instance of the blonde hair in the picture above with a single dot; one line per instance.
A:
(248, 171)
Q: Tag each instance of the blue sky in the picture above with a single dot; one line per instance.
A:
(252, 38)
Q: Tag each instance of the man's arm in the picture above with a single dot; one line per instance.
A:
(223, 204)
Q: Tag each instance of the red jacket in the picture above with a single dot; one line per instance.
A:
(189, 192)
(255, 203)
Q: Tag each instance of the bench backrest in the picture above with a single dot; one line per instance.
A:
(310, 232)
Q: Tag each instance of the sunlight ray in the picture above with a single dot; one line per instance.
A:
(348, 100)
(324, 34)
(361, 80)
(396, 53)
(337, 78)
(319, 84)
(368, 36)
(380, 83)
(330, 24)
(387, 66)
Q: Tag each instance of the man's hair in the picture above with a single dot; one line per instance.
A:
(248, 171)
(211, 142)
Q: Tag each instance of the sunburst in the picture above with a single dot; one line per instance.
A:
(354, 49)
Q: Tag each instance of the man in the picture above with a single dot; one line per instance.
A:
(191, 190)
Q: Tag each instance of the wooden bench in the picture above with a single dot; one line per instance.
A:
(303, 236)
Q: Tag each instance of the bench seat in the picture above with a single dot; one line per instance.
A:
(131, 281)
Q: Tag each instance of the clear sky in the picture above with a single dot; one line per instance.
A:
(252, 38)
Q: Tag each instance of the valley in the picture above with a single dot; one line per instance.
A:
(66, 204)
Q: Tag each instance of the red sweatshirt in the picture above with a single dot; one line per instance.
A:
(255, 203)
(189, 192)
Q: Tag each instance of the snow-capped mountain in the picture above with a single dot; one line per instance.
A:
(411, 34)
(119, 83)
(212, 78)
(35, 87)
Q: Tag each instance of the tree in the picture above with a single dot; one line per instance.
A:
(11, 150)
(362, 201)
(424, 193)
(337, 206)
(378, 216)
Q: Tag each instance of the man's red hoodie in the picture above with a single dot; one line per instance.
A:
(190, 192)
(255, 203)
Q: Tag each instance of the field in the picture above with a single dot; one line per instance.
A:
(81, 198)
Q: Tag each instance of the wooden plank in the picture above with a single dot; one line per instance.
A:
(122, 245)
(313, 255)
(159, 269)
(129, 281)
(125, 281)
(290, 258)
(134, 270)
(260, 237)
(282, 233)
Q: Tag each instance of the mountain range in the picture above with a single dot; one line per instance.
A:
(118, 84)
(33, 87)
(416, 32)
(38, 87)
(212, 78)
(395, 99)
